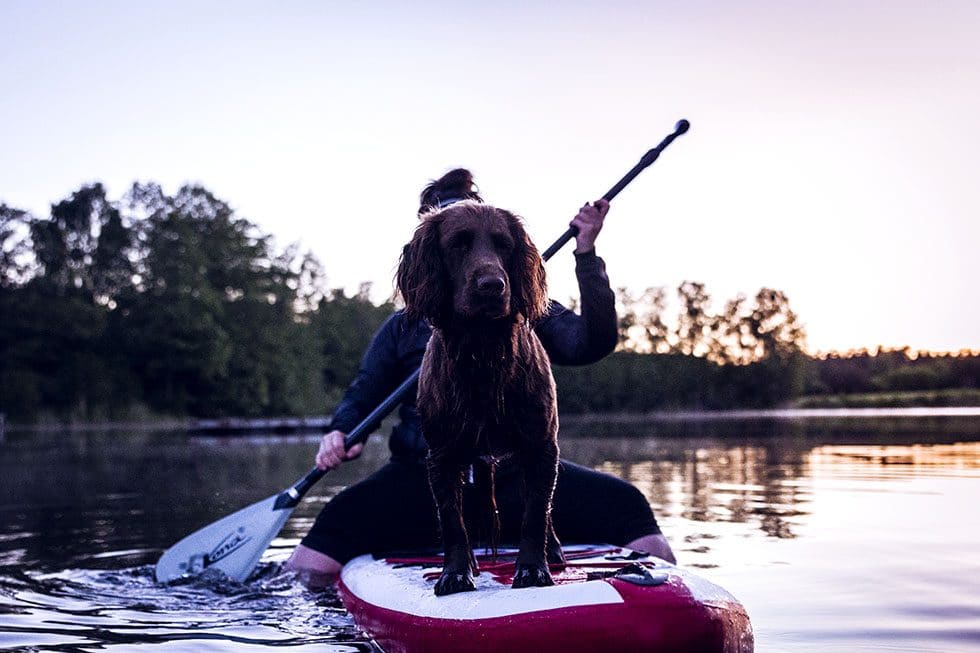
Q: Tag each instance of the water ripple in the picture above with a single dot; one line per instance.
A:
(86, 609)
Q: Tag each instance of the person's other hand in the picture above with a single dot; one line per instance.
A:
(589, 222)
(332, 452)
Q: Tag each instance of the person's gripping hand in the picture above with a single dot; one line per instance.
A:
(332, 453)
(589, 222)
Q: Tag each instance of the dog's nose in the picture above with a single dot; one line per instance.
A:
(490, 284)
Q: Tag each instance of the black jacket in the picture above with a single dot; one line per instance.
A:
(397, 348)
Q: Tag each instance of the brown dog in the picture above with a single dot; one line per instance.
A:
(486, 387)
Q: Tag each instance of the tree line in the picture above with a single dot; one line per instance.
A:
(749, 354)
(173, 305)
(167, 305)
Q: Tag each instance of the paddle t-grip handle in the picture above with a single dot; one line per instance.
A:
(645, 161)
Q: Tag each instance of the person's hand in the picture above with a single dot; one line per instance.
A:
(589, 222)
(332, 453)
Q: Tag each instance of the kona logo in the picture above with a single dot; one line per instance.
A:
(227, 546)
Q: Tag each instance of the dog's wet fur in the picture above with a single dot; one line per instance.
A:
(486, 387)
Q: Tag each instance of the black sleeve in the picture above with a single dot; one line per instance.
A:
(376, 378)
(572, 339)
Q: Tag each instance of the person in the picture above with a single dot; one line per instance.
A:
(393, 509)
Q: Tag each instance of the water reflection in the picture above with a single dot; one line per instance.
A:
(744, 484)
(760, 502)
(891, 460)
(761, 471)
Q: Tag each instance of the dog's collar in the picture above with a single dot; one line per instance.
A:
(443, 203)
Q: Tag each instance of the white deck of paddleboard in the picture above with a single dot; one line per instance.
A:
(405, 590)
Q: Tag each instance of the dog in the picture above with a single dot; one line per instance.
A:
(486, 387)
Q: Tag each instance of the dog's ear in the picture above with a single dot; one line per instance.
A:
(422, 279)
(529, 291)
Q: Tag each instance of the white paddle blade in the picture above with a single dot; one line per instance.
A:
(233, 544)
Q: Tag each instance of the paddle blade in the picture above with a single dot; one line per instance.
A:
(232, 544)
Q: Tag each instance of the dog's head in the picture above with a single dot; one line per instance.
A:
(474, 262)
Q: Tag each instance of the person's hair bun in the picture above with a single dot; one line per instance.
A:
(455, 184)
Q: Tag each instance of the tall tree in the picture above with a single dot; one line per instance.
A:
(641, 320)
(695, 323)
(732, 341)
(84, 247)
(781, 340)
(15, 246)
(775, 326)
(176, 338)
(626, 311)
(655, 330)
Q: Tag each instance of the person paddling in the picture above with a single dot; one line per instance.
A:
(393, 508)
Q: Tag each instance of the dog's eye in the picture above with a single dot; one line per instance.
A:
(461, 241)
(503, 244)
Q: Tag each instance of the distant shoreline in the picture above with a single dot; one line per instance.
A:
(948, 397)
(777, 414)
(52, 426)
(864, 406)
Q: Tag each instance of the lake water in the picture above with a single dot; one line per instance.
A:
(837, 533)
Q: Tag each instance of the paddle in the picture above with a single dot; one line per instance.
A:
(646, 160)
(234, 544)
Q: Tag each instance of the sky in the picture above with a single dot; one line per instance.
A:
(832, 151)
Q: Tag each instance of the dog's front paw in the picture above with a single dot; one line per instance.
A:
(452, 582)
(532, 576)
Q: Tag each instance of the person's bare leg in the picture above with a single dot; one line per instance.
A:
(314, 569)
(655, 545)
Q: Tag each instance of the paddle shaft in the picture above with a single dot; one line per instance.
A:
(359, 432)
(647, 159)
(369, 423)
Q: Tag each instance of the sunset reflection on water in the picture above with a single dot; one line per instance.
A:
(895, 460)
(769, 483)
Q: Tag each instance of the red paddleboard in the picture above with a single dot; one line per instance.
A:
(606, 598)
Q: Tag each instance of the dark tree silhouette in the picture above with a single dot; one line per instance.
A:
(176, 305)
(15, 245)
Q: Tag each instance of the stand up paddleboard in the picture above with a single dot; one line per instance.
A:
(606, 598)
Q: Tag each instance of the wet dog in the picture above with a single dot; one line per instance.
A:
(486, 388)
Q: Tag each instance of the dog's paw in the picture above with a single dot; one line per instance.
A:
(532, 576)
(453, 582)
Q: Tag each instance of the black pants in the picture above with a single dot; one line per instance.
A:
(393, 509)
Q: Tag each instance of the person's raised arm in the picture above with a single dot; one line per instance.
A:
(578, 339)
(589, 221)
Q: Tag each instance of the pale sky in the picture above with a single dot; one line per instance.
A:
(832, 154)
